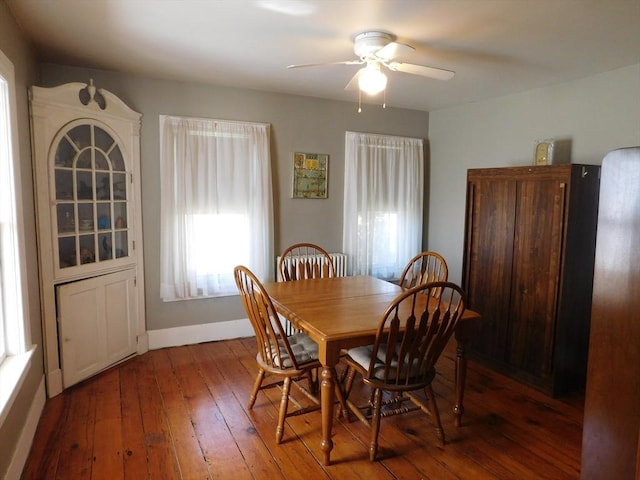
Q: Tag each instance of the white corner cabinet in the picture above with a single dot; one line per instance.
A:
(86, 155)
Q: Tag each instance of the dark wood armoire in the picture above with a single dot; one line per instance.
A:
(528, 269)
(611, 433)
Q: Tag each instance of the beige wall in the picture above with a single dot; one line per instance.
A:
(597, 114)
(18, 51)
(297, 124)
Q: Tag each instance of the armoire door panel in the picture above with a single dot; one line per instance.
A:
(489, 268)
(537, 247)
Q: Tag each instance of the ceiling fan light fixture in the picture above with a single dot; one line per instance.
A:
(371, 80)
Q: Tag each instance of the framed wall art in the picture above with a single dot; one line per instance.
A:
(543, 154)
(310, 175)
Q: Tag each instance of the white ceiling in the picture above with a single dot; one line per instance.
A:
(496, 47)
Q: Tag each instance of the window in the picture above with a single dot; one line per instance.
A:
(14, 323)
(216, 205)
(383, 202)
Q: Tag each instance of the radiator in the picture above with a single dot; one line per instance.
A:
(339, 262)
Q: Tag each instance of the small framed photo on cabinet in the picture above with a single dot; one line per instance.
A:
(543, 154)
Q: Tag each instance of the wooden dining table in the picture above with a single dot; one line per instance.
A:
(344, 312)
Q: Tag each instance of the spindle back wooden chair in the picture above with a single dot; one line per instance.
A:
(288, 358)
(423, 268)
(305, 260)
(411, 335)
(301, 261)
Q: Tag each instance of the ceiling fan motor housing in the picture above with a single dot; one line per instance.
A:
(366, 44)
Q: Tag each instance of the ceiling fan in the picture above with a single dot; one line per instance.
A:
(377, 49)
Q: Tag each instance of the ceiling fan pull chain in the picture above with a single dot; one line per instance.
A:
(359, 101)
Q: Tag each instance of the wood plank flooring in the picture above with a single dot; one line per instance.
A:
(180, 413)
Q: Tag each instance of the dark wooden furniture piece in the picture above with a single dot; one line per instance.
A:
(528, 267)
(611, 430)
(343, 312)
(423, 268)
(412, 334)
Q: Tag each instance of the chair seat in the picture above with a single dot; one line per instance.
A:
(304, 350)
(362, 356)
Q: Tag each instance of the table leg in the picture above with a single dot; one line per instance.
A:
(327, 392)
(461, 378)
(462, 334)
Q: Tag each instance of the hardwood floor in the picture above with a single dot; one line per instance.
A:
(180, 413)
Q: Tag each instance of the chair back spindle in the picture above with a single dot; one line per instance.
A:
(413, 333)
(305, 260)
(424, 268)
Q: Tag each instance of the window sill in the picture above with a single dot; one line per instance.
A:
(12, 372)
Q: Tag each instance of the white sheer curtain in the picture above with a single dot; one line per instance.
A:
(216, 205)
(383, 201)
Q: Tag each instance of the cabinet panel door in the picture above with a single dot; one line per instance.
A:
(97, 324)
(120, 316)
(81, 308)
(537, 252)
(489, 260)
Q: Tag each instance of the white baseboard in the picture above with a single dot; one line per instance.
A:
(191, 334)
(143, 343)
(54, 382)
(26, 436)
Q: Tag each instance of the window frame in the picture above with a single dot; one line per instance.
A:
(383, 184)
(14, 301)
(189, 162)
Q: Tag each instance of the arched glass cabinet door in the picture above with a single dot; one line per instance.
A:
(91, 197)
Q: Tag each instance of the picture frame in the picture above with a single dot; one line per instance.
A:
(543, 153)
(310, 175)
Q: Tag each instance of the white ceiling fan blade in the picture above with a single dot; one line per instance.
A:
(393, 50)
(431, 72)
(345, 62)
(353, 83)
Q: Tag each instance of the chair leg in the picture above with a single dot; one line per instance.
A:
(372, 400)
(284, 403)
(375, 424)
(349, 377)
(256, 388)
(312, 378)
(341, 399)
(434, 412)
